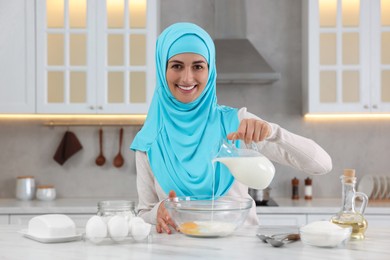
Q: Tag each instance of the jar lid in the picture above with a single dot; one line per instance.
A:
(45, 186)
(115, 205)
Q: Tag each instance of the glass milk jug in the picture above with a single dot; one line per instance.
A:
(348, 215)
(248, 166)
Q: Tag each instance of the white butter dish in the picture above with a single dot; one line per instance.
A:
(76, 237)
(51, 228)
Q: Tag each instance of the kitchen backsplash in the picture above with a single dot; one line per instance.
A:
(274, 27)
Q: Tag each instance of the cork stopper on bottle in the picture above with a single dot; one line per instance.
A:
(349, 175)
(349, 172)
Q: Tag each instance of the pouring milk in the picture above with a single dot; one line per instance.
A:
(247, 166)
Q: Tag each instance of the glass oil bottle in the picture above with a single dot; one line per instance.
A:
(348, 216)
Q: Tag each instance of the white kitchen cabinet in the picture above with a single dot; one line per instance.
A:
(346, 56)
(282, 219)
(23, 219)
(4, 219)
(17, 48)
(318, 217)
(373, 220)
(378, 221)
(95, 57)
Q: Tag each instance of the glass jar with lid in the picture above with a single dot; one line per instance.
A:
(110, 208)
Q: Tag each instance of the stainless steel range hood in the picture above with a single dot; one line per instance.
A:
(238, 61)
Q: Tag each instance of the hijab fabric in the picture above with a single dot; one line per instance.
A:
(181, 139)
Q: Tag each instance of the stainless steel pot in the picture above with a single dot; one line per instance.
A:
(262, 196)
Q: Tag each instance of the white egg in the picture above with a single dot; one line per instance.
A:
(118, 228)
(135, 221)
(96, 229)
(140, 231)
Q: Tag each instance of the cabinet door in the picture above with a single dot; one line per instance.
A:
(95, 57)
(380, 55)
(4, 219)
(23, 219)
(66, 56)
(318, 217)
(17, 47)
(378, 221)
(282, 219)
(126, 37)
(336, 60)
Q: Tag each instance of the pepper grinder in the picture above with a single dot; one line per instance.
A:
(295, 188)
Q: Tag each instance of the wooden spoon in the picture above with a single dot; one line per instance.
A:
(118, 160)
(100, 160)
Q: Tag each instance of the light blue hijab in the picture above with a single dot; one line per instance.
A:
(181, 139)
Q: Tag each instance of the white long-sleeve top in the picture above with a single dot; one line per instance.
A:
(281, 146)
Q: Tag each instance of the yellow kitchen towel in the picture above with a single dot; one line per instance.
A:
(68, 147)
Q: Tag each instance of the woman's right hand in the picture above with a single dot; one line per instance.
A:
(164, 220)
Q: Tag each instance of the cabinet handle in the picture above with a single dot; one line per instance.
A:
(100, 107)
(91, 107)
(365, 106)
(375, 106)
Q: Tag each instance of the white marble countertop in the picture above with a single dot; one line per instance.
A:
(243, 244)
(89, 206)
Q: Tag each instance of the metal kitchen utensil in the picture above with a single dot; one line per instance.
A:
(263, 237)
(275, 242)
(278, 243)
(118, 160)
(100, 160)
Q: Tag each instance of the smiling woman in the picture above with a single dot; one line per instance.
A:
(185, 126)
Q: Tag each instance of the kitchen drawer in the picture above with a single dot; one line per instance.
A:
(282, 219)
(318, 217)
(4, 219)
(378, 221)
(22, 219)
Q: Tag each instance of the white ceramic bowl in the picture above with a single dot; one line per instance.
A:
(324, 234)
(46, 193)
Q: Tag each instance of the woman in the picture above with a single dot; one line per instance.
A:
(185, 126)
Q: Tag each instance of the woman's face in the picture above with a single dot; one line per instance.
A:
(187, 76)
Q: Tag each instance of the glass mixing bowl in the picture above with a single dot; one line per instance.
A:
(205, 216)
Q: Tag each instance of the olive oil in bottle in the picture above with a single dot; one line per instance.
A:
(348, 216)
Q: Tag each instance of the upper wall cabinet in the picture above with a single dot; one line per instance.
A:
(17, 48)
(346, 56)
(95, 56)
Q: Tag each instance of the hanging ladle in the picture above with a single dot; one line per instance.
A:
(100, 160)
(118, 160)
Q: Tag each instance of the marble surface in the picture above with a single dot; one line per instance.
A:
(89, 206)
(243, 244)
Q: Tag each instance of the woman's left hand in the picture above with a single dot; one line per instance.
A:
(251, 130)
(164, 220)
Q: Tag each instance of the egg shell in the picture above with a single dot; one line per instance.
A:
(140, 231)
(96, 229)
(135, 221)
(118, 228)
